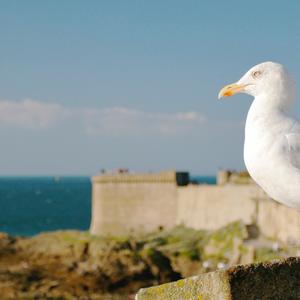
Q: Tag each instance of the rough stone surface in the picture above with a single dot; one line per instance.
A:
(277, 280)
(210, 286)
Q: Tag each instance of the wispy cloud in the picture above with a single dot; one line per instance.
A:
(120, 121)
(31, 114)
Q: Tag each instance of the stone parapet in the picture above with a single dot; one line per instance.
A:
(161, 177)
(226, 176)
(272, 280)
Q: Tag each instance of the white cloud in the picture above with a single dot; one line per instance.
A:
(30, 114)
(120, 121)
(115, 121)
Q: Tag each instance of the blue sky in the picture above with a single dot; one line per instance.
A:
(86, 85)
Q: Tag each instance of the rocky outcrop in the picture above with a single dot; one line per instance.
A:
(77, 265)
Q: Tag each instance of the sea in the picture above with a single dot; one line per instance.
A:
(30, 205)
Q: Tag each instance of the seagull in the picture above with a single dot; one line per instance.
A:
(272, 134)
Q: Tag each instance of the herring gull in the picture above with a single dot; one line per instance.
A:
(272, 135)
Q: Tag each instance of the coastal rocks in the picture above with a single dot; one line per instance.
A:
(77, 265)
(226, 244)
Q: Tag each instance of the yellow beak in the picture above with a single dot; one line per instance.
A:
(231, 89)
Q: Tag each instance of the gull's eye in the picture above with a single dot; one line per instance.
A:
(256, 74)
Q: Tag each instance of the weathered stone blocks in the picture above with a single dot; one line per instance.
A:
(277, 280)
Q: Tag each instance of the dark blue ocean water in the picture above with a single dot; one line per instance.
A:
(203, 179)
(30, 205)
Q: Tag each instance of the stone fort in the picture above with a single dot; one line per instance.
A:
(127, 203)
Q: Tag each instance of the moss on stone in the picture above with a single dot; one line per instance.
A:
(267, 254)
(264, 281)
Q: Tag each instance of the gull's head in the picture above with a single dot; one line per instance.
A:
(268, 78)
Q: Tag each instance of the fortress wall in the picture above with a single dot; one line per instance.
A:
(212, 206)
(141, 203)
(119, 208)
(278, 221)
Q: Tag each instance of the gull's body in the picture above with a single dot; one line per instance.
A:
(272, 135)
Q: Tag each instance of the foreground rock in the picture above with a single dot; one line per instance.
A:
(278, 280)
(75, 265)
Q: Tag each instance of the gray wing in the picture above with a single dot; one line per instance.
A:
(294, 148)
